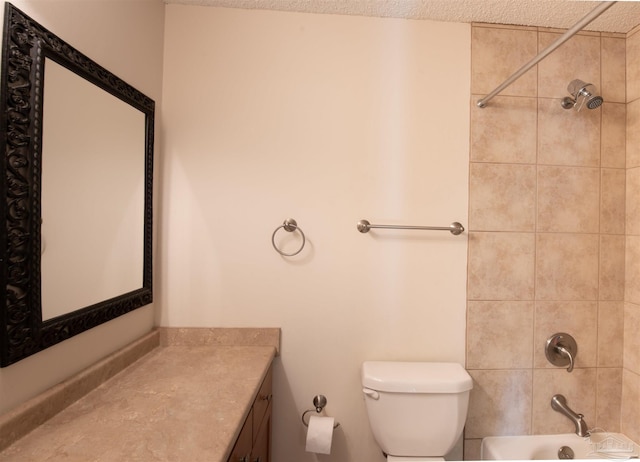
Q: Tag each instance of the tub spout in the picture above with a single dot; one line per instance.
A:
(559, 404)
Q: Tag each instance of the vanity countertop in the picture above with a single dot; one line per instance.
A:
(177, 403)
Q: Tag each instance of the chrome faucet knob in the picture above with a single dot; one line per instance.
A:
(561, 350)
(566, 352)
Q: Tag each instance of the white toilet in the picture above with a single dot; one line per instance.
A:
(417, 410)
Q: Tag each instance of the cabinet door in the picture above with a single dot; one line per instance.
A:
(261, 445)
(262, 402)
(242, 449)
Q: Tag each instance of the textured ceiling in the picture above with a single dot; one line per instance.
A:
(622, 17)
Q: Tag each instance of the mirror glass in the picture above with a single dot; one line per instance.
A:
(76, 186)
(98, 248)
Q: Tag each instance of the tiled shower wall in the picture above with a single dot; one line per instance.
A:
(630, 414)
(546, 234)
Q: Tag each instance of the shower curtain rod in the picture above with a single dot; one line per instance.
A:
(597, 11)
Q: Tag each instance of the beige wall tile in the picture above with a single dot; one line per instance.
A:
(633, 67)
(498, 53)
(633, 134)
(503, 26)
(500, 403)
(556, 30)
(578, 387)
(613, 136)
(610, 334)
(608, 399)
(581, 274)
(614, 70)
(567, 266)
(578, 58)
(611, 286)
(472, 449)
(502, 197)
(504, 131)
(501, 266)
(631, 356)
(578, 319)
(633, 204)
(612, 204)
(635, 30)
(632, 270)
(618, 35)
(491, 343)
(630, 406)
(568, 199)
(568, 137)
(630, 409)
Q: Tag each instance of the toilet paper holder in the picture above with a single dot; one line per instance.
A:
(319, 402)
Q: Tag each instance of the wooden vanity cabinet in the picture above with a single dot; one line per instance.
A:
(242, 449)
(253, 443)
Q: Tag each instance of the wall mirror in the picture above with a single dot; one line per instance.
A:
(77, 178)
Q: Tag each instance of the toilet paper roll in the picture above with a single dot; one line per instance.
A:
(320, 434)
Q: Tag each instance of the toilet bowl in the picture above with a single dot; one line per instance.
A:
(416, 410)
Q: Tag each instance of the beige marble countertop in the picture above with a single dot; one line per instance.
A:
(177, 403)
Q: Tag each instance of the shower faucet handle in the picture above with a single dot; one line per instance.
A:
(561, 350)
(566, 352)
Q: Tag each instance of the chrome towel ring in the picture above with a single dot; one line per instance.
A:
(290, 225)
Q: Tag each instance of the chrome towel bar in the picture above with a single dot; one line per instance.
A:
(455, 228)
(290, 225)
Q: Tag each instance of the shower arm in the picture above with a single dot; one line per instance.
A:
(597, 11)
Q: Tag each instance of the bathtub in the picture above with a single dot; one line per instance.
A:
(548, 447)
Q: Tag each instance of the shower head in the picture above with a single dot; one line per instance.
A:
(582, 93)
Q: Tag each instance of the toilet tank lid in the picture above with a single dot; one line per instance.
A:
(415, 377)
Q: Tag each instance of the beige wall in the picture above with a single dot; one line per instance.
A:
(547, 234)
(127, 39)
(327, 119)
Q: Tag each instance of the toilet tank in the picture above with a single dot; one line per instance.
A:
(416, 408)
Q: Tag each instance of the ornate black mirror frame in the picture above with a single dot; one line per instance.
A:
(26, 44)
